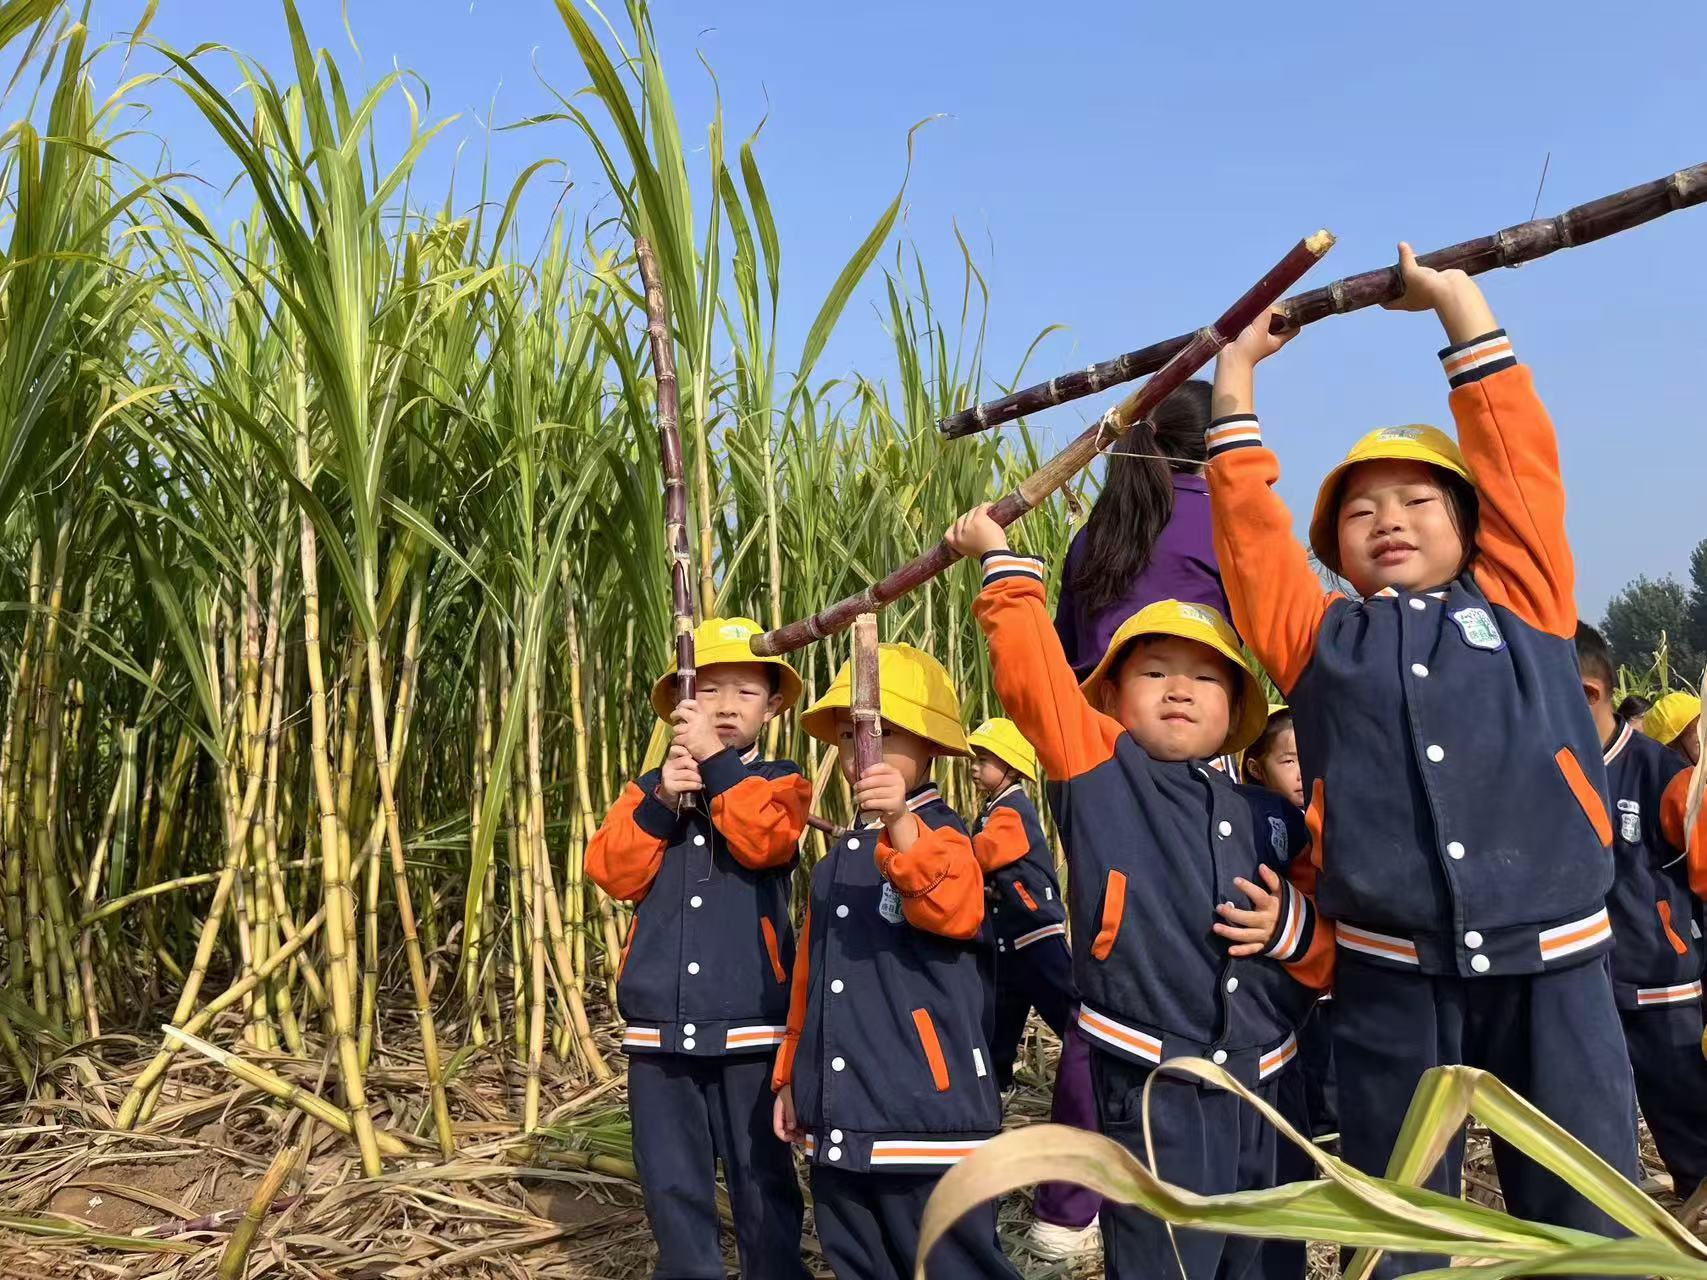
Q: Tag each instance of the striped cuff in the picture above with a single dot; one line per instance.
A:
(1005, 564)
(1474, 360)
(1297, 925)
(1233, 432)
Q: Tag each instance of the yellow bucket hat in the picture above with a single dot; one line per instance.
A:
(915, 694)
(1670, 716)
(725, 640)
(1206, 626)
(1002, 739)
(1415, 443)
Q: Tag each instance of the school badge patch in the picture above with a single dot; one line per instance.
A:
(1630, 821)
(1277, 836)
(1478, 628)
(889, 906)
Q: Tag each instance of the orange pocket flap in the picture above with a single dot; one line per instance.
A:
(1593, 806)
(932, 1047)
(771, 948)
(1113, 907)
(1030, 902)
(1677, 944)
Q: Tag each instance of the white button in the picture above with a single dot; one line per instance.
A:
(689, 1029)
(838, 1064)
(1218, 1057)
(1418, 670)
(1480, 963)
(1226, 828)
(836, 986)
(1417, 604)
(1455, 849)
(687, 1042)
(853, 842)
(834, 1153)
(835, 1135)
(693, 966)
(1232, 985)
(699, 839)
(1472, 939)
(842, 912)
(696, 902)
(1435, 752)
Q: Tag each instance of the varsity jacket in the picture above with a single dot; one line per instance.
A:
(886, 1047)
(1152, 847)
(705, 968)
(1020, 892)
(1656, 919)
(1457, 793)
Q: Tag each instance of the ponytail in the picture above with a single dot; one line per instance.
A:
(1137, 498)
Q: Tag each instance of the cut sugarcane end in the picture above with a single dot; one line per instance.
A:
(1320, 243)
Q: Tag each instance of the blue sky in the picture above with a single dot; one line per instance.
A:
(1126, 169)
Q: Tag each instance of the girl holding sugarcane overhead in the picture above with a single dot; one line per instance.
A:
(1457, 794)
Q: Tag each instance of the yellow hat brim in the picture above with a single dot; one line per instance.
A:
(1157, 620)
(1324, 521)
(1669, 717)
(788, 683)
(937, 722)
(1018, 756)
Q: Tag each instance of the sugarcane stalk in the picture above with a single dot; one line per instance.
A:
(1036, 487)
(236, 1253)
(865, 703)
(670, 459)
(1511, 247)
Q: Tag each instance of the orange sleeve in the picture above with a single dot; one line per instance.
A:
(1002, 842)
(1277, 600)
(1523, 559)
(783, 1072)
(1315, 967)
(628, 848)
(1674, 814)
(759, 818)
(939, 880)
(1035, 684)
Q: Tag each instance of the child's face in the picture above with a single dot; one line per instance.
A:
(1689, 742)
(990, 774)
(906, 753)
(1278, 769)
(1396, 528)
(1174, 696)
(738, 698)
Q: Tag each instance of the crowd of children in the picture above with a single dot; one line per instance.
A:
(1445, 846)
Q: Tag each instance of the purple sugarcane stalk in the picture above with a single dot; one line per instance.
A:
(866, 701)
(1198, 350)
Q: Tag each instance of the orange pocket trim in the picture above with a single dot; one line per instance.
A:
(775, 953)
(1316, 821)
(1030, 902)
(1113, 908)
(621, 964)
(1677, 944)
(1594, 808)
(933, 1048)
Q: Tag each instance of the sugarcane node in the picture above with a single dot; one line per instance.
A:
(1537, 238)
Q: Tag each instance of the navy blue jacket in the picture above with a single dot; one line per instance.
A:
(706, 965)
(1021, 894)
(1455, 775)
(887, 1050)
(1152, 849)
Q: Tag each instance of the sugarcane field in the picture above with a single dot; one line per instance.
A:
(1057, 744)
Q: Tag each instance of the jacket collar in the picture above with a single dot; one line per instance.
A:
(1620, 740)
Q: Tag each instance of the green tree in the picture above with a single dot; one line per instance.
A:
(1649, 612)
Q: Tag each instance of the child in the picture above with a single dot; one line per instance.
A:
(885, 1074)
(1656, 933)
(1456, 789)
(1033, 967)
(1673, 721)
(1632, 710)
(1157, 845)
(1148, 536)
(703, 983)
(1272, 760)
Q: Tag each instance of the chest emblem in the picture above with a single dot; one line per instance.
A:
(1277, 836)
(1630, 821)
(1478, 628)
(889, 905)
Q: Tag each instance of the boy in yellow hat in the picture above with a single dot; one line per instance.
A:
(703, 985)
(885, 1075)
(1160, 848)
(1673, 721)
(1456, 785)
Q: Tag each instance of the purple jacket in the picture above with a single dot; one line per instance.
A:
(1182, 567)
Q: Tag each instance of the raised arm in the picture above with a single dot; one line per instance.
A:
(939, 880)
(1003, 841)
(760, 818)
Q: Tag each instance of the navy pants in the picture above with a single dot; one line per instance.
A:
(688, 1113)
(1316, 1068)
(868, 1225)
(1671, 1085)
(1036, 977)
(1553, 1037)
(1208, 1141)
